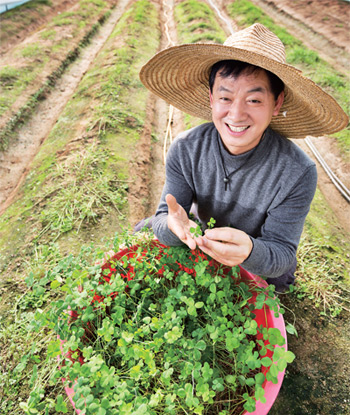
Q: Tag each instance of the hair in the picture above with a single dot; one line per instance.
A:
(235, 68)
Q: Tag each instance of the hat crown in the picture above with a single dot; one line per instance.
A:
(258, 39)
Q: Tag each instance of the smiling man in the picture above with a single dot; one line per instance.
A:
(241, 168)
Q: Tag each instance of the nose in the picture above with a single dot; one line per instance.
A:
(237, 111)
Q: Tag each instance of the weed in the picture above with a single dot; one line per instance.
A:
(196, 22)
(31, 51)
(300, 54)
(75, 166)
(48, 34)
(323, 263)
(8, 76)
(320, 278)
(80, 197)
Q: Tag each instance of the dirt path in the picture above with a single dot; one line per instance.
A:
(322, 26)
(168, 121)
(14, 31)
(163, 124)
(15, 161)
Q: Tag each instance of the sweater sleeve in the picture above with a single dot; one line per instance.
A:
(274, 251)
(177, 185)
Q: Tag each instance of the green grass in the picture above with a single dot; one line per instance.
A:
(336, 84)
(37, 58)
(8, 76)
(75, 192)
(323, 261)
(31, 51)
(196, 22)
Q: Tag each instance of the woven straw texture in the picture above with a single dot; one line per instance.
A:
(180, 76)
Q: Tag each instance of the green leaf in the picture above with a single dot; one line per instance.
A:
(127, 336)
(275, 337)
(212, 288)
(266, 361)
(218, 384)
(291, 329)
(173, 335)
(54, 348)
(259, 378)
(61, 405)
(197, 354)
(55, 284)
(230, 379)
(201, 345)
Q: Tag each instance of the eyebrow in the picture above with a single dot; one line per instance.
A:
(257, 89)
(222, 88)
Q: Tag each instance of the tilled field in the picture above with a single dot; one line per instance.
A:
(83, 147)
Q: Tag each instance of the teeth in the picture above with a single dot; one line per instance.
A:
(237, 129)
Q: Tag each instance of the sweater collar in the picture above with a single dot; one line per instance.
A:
(251, 157)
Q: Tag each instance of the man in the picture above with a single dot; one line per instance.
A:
(240, 169)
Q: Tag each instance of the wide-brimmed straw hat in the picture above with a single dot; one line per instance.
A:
(180, 75)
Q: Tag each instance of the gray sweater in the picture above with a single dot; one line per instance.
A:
(268, 195)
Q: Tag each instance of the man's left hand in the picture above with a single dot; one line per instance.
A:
(228, 246)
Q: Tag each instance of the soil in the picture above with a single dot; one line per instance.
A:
(330, 35)
(15, 161)
(13, 31)
(312, 383)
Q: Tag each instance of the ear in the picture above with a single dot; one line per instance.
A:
(278, 103)
(211, 98)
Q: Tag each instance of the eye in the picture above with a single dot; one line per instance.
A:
(255, 101)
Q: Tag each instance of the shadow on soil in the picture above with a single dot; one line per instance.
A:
(317, 382)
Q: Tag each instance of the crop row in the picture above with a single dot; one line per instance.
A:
(32, 68)
(77, 191)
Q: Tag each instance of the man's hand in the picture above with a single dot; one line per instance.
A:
(179, 223)
(228, 246)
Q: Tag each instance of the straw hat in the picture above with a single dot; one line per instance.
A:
(180, 76)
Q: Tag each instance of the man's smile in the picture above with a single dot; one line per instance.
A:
(237, 129)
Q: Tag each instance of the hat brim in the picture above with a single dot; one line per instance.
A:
(180, 75)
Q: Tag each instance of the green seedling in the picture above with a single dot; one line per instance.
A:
(162, 330)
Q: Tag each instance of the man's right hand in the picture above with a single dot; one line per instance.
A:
(179, 223)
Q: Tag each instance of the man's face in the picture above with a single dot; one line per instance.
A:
(242, 108)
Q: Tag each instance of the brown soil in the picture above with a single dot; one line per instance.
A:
(328, 18)
(317, 348)
(329, 33)
(166, 122)
(15, 161)
(14, 31)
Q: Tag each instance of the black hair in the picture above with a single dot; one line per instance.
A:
(235, 68)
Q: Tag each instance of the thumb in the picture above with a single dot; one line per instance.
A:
(171, 202)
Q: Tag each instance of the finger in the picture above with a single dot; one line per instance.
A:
(228, 253)
(231, 261)
(172, 203)
(226, 234)
(216, 248)
(190, 242)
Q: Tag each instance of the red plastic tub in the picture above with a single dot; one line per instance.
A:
(264, 317)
